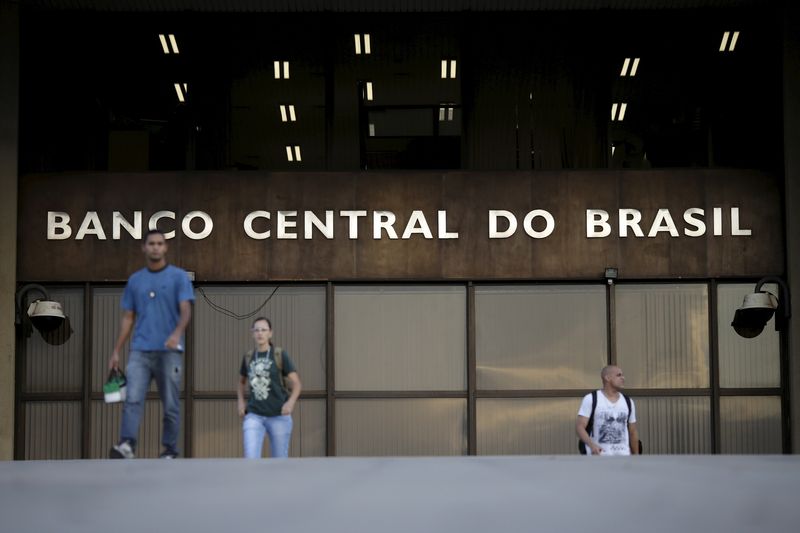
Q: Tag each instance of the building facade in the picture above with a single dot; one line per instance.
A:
(455, 215)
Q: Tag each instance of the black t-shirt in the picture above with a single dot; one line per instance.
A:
(267, 394)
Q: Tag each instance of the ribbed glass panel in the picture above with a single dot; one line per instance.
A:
(401, 427)
(750, 424)
(53, 430)
(57, 368)
(550, 337)
(106, 315)
(527, 426)
(674, 425)
(401, 338)
(746, 362)
(218, 429)
(106, 419)
(298, 321)
(662, 335)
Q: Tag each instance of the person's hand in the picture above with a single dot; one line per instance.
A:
(596, 450)
(174, 342)
(287, 408)
(113, 361)
(242, 408)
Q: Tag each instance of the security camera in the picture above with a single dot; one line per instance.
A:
(753, 315)
(46, 315)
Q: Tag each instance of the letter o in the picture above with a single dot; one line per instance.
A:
(208, 225)
(550, 224)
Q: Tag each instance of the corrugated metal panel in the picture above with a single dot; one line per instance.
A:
(546, 337)
(400, 338)
(396, 6)
(52, 368)
(53, 430)
(106, 419)
(750, 424)
(298, 319)
(746, 362)
(675, 425)
(662, 335)
(401, 427)
(527, 426)
(106, 315)
(218, 429)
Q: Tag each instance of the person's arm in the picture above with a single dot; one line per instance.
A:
(174, 340)
(296, 387)
(633, 432)
(580, 429)
(240, 395)
(125, 327)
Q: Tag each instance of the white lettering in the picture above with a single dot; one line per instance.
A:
(691, 217)
(512, 224)
(186, 225)
(735, 230)
(284, 223)
(58, 228)
(717, 221)
(248, 225)
(443, 233)
(550, 224)
(663, 222)
(91, 226)
(311, 222)
(630, 218)
(353, 216)
(153, 223)
(417, 224)
(118, 222)
(383, 220)
(597, 218)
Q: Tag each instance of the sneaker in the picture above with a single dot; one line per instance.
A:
(168, 455)
(123, 450)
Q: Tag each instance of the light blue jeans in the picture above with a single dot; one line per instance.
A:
(279, 429)
(165, 367)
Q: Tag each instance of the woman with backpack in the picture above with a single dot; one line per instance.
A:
(274, 389)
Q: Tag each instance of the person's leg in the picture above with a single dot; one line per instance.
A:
(280, 433)
(137, 373)
(168, 370)
(253, 433)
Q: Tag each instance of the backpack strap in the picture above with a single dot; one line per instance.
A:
(590, 424)
(630, 409)
(277, 355)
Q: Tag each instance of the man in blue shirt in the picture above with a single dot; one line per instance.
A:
(157, 306)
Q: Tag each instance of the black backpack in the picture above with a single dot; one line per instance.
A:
(590, 424)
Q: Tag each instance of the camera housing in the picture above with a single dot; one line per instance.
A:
(756, 310)
(46, 315)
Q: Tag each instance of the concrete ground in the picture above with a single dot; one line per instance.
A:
(672, 494)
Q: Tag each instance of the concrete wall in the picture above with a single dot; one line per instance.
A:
(791, 113)
(9, 110)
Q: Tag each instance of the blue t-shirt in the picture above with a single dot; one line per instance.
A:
(155, 297)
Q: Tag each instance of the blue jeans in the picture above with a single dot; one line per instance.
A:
(279, 429)
(166, 367)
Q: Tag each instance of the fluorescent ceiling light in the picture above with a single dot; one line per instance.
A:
(283, 113)
(367, 46)
(277, 70)
(613, 111)
(724, 42)
(444, 68)
(163, 43)
(292, 116)
(733, 41)
(174, 44)
(369, 91)
(181, 90)
(624, 71)
(289, 154)
(297, 153)
(622, 108)
(372, 130)
(357, 38)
